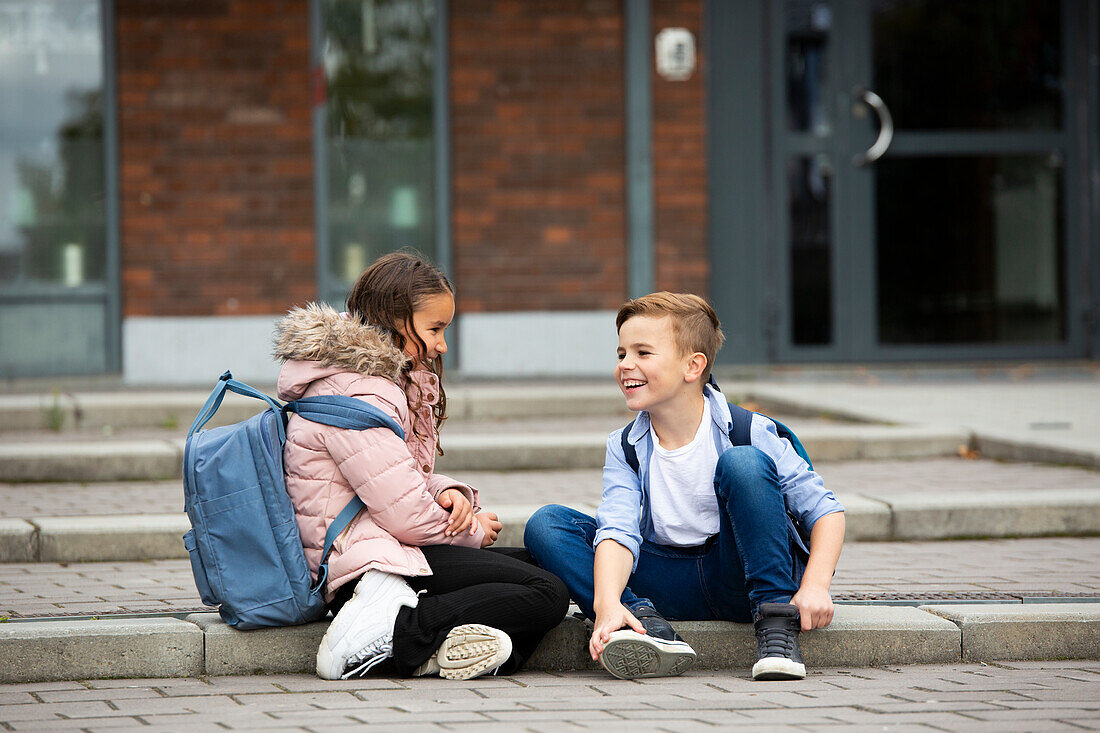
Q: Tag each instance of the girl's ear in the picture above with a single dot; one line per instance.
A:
(696, 365)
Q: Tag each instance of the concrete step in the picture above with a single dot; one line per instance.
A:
(869, 517)
(63, 411)
(860, 636)
(497, 446)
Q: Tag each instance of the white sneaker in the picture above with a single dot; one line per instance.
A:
(361, 635)
(469, 651)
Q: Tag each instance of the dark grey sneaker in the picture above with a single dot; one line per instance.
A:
(659, 652)
(777, 654)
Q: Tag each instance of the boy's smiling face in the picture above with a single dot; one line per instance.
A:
(651, 370)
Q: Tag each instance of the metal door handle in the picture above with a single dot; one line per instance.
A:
(885, 130)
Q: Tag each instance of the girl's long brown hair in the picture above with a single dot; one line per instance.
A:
(387, 294)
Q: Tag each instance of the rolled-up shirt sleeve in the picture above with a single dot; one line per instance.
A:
(803, 489)
(619, 515)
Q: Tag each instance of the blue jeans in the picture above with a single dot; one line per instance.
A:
(750, 561)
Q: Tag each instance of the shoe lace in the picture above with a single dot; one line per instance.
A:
(371, 655)
(775, 641)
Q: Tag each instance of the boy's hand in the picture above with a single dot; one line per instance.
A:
(462, 514)
(608, 621)
(492, 527)
(815, 606)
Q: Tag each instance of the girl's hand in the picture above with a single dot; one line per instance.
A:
(815, 606)
(491, 526)
(462, 514)
(608, 621)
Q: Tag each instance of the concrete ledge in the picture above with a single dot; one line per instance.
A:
(285, 650)
(46, 651)
(860, 636)
(504, 452)
(942, 515)
(168, 408)
(854, 442)
(1026, 631)
(866, 519)
(117, 460)
(18, 541)
(1022, 513)
(1015, 450)
(90, 460)
(112, 538)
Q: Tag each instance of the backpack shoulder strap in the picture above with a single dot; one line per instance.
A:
(343, 519)
(629, 451)
(741, 432)
(343, 412)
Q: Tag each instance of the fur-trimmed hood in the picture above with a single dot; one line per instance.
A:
(333, 342)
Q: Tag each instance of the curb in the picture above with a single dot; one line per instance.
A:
(132, 460)
(869, 518)
(860, 636)
(1011, 632)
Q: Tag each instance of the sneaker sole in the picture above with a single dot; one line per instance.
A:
(471, 650)
(778, 668)
(629, 656)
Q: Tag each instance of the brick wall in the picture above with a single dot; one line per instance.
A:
(679, 162)
(537, 154)
(216, 163)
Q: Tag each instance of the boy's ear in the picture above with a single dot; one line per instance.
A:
(696, 365)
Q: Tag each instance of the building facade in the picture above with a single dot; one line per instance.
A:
(846, 180)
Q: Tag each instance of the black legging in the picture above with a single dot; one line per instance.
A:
(498, 587)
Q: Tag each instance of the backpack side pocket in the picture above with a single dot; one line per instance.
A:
(198, 569)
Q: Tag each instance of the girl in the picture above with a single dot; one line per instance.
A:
(408, 578)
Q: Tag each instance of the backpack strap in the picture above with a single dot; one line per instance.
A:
(629, 451)
(341, 411)
(741, 430)
(343, 519)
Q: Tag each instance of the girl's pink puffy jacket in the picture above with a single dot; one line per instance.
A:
(327, 353)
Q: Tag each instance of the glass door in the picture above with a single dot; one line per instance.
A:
(924, 166)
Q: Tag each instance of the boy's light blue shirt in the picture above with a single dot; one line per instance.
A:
(624, 515)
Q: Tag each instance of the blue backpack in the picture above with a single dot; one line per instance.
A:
(740, 434)
(246, 553)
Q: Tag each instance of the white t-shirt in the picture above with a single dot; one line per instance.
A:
(681, 489)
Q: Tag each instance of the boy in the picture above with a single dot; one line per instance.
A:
(700, 528)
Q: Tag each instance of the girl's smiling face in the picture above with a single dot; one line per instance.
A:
(430, 321)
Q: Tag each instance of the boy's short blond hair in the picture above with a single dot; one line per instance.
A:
(695, 325)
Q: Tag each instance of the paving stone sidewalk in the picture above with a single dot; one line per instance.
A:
(1043, 565)
(576, 487)
(960, 697)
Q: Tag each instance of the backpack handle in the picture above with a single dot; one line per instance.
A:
(227, 382)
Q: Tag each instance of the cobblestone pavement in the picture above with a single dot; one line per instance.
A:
(881, 478)
(963, 697)
(1066, 564)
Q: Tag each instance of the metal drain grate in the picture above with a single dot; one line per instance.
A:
(115, 613)
(930, 597)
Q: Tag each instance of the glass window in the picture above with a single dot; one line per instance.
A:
(53, 234)
(809, 190)
(808, 26)
(971, 249)
(378, 63)
(944, 64)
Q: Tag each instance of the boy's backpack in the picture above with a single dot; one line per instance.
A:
(740, 434)
(246, 553)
